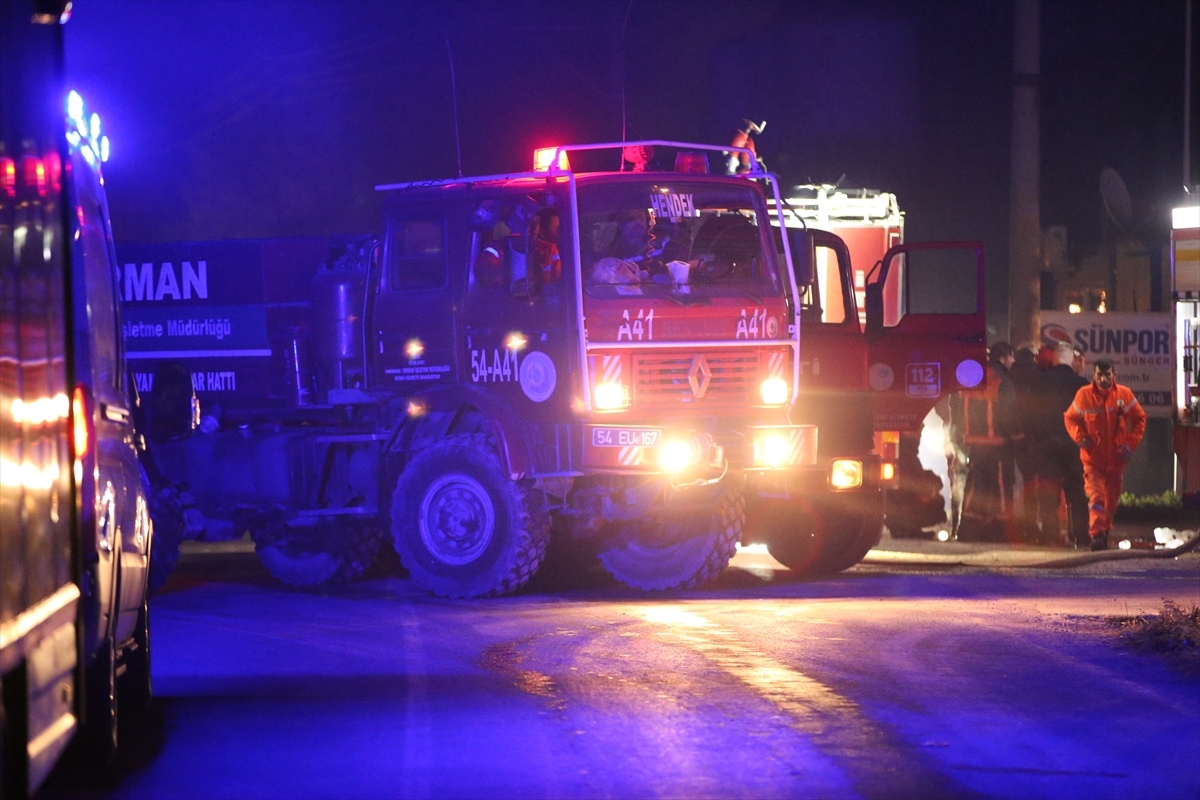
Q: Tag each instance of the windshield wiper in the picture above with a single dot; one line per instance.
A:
(757, 300)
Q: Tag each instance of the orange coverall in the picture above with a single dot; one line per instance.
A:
(1114, 422)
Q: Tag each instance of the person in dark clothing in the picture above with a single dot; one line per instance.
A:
(1056, 455)
(991, 426)
(1024, 373)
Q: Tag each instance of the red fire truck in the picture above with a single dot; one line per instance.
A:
(889, 331)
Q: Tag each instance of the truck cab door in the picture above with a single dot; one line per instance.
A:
(416, 308)
(925, 330)
(833, 353)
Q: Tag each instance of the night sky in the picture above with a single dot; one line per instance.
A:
(273, 119)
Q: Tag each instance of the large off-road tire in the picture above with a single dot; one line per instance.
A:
(678, 553)
(327, 552)
(166, 510)
(461, 526)
(867, 531)
(814, 538)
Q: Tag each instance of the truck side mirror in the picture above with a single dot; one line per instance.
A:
(804, 255)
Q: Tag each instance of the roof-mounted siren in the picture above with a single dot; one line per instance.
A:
(543, 158)
(637, 156)
(739, 163)
(691, 162)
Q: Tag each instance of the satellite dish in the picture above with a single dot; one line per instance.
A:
(1116, 198)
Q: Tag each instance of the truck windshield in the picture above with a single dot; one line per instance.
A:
(675, 237)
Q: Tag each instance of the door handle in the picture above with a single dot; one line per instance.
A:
(114, 413)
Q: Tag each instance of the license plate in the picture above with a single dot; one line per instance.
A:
(626, 437)
(923, 380)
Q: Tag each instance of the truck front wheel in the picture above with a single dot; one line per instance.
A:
(819, 538)
(461, 526)
(678, 553)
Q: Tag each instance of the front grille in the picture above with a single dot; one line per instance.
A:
(661, 381)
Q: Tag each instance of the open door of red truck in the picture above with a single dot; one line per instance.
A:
(926, 329)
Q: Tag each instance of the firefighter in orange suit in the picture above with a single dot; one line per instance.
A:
(1107, 423)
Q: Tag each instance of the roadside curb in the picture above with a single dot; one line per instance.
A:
(1027, 559)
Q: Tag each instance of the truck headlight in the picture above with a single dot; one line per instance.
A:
(677, 455)
(772, 450)
(610, 396)
(845, 473)
(774, 391)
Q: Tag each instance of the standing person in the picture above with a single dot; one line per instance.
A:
(1080, 362)
(1107, 423)
(1025, 373)
(990, 425)
(1055, 455)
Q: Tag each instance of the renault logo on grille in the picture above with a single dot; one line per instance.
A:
(699, 376)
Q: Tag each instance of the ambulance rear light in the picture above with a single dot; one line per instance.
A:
(888, 475)
(543, 158)
(33, 175)
(8, 176)
(81, 422)
(691, 162)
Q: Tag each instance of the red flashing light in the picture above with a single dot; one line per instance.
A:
(544, 156)
(33, 174)
(54, 171)
(8, 176)
(81, 421)
(691, 162)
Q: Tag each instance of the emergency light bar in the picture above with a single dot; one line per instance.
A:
(545, 160)
(543, 157)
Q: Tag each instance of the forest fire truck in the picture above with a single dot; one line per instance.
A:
(889, 331)
(609, 351)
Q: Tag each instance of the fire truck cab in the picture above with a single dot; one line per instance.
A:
(615, 350)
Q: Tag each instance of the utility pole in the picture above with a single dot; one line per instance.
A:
(1025, 225)
(1187, 96)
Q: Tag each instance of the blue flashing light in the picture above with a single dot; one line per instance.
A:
(75, 107)
(84, 131)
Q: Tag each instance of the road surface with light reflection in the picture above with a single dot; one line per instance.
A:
(881, 682)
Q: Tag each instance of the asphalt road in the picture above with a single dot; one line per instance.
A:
(889, 681)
